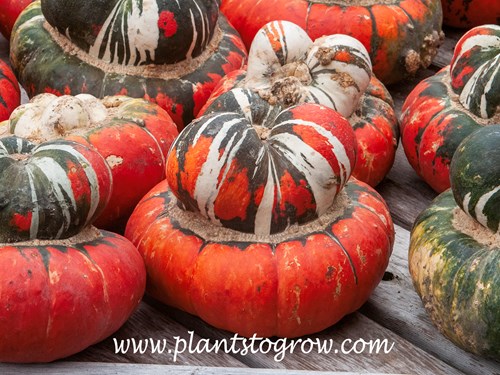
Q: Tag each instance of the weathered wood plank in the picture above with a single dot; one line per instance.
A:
(405, 192)
(396, 305)
(403, 357)
(90, 368)
(148, 323)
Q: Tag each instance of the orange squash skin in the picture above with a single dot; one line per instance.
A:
(394, 34)
(285, 288)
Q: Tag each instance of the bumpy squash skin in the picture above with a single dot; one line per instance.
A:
(326, 78)
(469, 13)
(282, 288)
(51, 69)
(400, 36)
(10, 95)
(457, 278)
(58, 299)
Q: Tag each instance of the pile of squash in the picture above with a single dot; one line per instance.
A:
(241, 186)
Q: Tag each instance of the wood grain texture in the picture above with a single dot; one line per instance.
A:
(149, 323)
(405, 192)
(91, 368)
(403, 358)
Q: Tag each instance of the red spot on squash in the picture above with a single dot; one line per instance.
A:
(167, 23)
(50, 90)
(22, 222)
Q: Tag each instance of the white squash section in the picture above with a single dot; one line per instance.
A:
(205, 31)
(337, 85)
(264, 215)
(290, 41)
(472, 89)
(35, 217)
(479, 209)
(61, 187)
(344, 83)
(139, 42)
(207, 184)
(48, 116)
(483, 41)
(337, 147)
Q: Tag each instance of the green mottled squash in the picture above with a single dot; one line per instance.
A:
(454, 256)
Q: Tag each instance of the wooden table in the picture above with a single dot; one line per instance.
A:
(394, 311)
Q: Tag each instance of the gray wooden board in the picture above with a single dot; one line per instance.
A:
(403, 358)
(405, 193)
(91, 368)
(395, 305)
(144, 324)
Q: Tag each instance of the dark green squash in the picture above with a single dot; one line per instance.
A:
(454, 256)
(475, 176)
(50, 191)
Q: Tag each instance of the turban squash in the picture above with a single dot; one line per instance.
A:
(133, 135)
(100, 48)
(458, 100)
(64, 284)
(10, 95)
(401, 36)
(454, 253)
(285, 67)
(258, 228)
